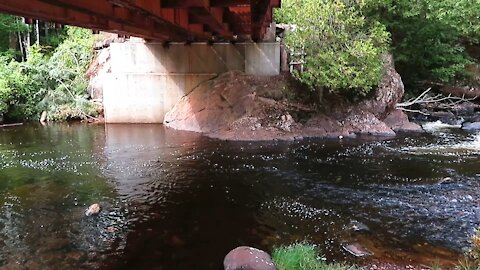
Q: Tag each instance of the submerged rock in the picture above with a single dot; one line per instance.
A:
(93, 210)
(248, 258)
(357, 250)
(446, 180)
(357, 226)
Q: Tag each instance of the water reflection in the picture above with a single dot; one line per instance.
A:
(176, 200)
(48, 175)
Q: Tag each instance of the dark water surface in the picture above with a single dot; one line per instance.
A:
(175, 200)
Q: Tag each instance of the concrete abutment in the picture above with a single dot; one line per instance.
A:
(147, 79)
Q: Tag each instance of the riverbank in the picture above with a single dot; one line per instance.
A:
(240, 107)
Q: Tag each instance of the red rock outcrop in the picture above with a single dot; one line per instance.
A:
(235, 106)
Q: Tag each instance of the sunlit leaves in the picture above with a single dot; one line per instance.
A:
(342, 47)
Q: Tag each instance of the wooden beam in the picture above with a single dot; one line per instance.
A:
(262, 16)
(201, 3)
(202, 12)
(164, 15)
(165, 20)
(122, 16)
(213, 18)
(230, 3)
(47, 12)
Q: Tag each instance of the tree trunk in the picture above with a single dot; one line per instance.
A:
(37, 32)
(13, 41)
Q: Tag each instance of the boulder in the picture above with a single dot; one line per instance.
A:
(356, 250)
(389, 92)
(212, 105)
(248, 258)
(398, 121)
(365, 123)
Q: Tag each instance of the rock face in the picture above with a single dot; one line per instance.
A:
(235, 106)
(248, 258)
(97, 72)
(389, 92)
(398, 121)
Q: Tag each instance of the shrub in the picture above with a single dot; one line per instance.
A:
(302, 256)
(472, 257)
(342, 47)
(52, 81)
(429, 37)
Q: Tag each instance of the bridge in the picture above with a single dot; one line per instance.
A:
(159, 20)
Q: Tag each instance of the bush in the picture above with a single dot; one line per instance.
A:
(49, 81)
(342, 47)
(302, 256)
(64, 91)
(429, 37)
(472, 257)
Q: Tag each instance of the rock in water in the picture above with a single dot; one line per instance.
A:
(357, 250)
(93, 210)
(398, 121)
(248, 258)
(43, 117)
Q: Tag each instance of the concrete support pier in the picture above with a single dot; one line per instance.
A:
(147, 79)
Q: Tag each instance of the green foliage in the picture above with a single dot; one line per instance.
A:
(302, 256)
(64, 91)
(52, 82)
(9, 25)
(472, 257)
(342, 47)
(343, 40)
(429, 36)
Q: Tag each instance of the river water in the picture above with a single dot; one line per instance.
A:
(177, 200)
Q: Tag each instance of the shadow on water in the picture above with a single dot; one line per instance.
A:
(176, 200)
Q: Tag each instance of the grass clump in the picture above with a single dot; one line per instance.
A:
(303, 256)
(472, 257)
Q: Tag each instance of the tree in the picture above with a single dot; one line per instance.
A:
(429, 37)
(48, 80)
(342, 46)
(11, 29)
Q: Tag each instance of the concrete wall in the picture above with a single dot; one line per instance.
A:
(147, 79)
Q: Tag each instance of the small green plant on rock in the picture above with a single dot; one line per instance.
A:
(472, 257)
(303, 256)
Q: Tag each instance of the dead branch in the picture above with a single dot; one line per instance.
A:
(444, 102)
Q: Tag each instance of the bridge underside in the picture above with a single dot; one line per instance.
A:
(160, 20)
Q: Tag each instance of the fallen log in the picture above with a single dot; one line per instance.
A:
(11, 125)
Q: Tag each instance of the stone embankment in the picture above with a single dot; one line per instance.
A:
(235, 106)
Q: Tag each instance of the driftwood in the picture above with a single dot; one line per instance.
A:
(11, 125)
(442, 101)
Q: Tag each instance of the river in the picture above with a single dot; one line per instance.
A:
(177, 200)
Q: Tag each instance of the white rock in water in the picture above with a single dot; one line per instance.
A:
(357, 250)
(43, 117)
(93, 209)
